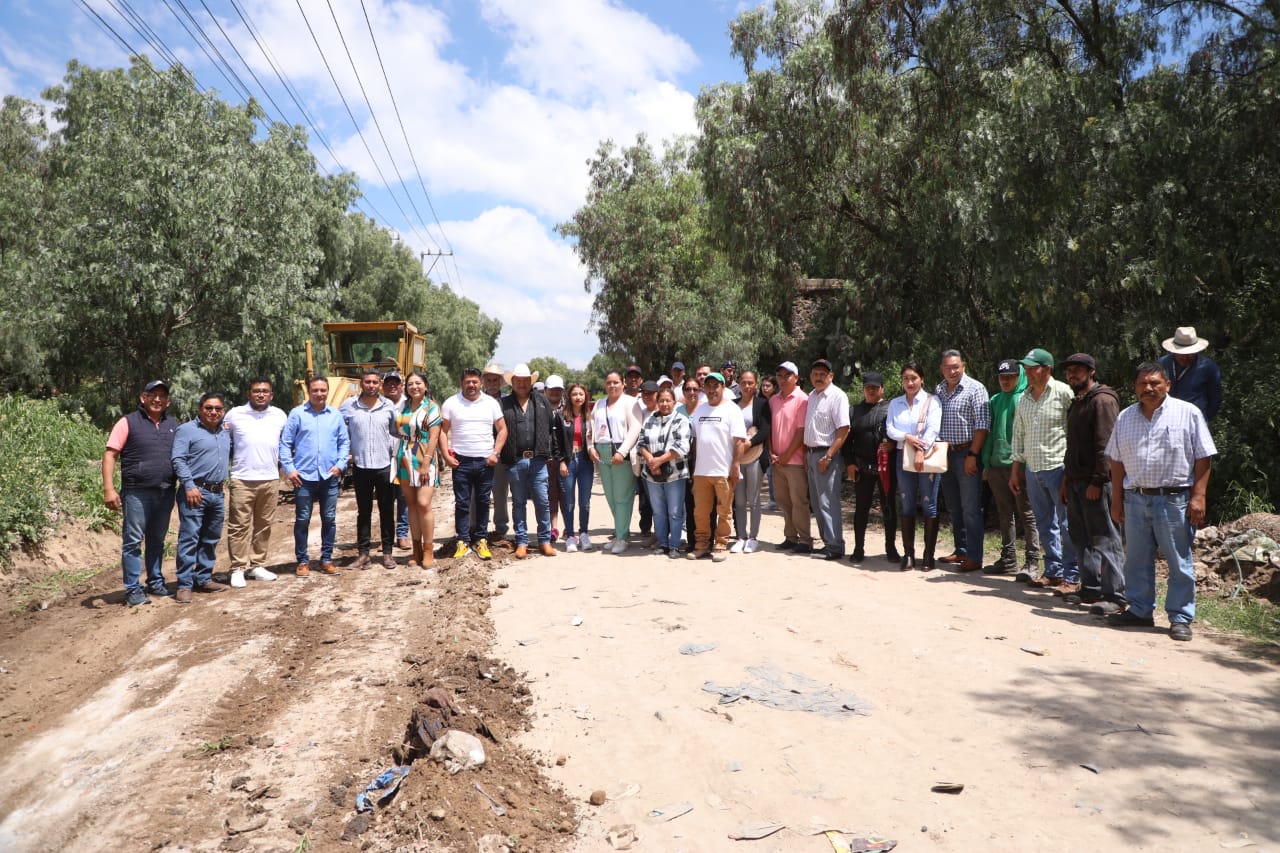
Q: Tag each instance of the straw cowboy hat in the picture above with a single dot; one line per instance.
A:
(492, 369)
(1185, 342)
(520, 371)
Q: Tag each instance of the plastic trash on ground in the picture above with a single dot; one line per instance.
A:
(387, 783)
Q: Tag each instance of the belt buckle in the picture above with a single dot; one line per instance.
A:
(528, 454)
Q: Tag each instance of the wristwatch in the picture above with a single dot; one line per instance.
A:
(974, 454)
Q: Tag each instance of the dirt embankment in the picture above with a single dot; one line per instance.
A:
(250, 719)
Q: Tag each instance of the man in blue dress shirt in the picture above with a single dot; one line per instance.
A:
(1193, 376)
(314, 447)
(201, 459)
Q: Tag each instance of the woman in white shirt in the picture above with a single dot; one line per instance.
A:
(616, 424)
(914, 419)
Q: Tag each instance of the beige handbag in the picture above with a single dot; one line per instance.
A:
(933, 460)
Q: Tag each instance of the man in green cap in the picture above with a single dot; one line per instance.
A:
(1039, 463)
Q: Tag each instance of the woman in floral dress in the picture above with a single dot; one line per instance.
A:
(417, 426)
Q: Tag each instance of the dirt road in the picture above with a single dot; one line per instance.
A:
(250, 719)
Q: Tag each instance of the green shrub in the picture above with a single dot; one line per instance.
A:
(50, 471)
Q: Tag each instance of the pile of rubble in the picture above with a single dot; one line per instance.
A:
(1242, 555)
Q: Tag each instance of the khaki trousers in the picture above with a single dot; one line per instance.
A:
(711, 493)
(791, 491)
(251, 508)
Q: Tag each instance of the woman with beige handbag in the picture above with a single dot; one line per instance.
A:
(913, 422)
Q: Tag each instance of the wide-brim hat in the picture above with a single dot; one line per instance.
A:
(493, 369)
(753, 452)
(1185, 342)
(520, 371)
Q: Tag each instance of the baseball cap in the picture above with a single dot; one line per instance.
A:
(649, 386)
(873, 378)
(554, 381)
(822, 362)
(789, 366)
(717, 376)
(677, 365)
(1083, 359)
(665, 380)
(729, 363)
(634, 369)
(392, 374)
(154, 384)
(1038, 358)
(1007, 367)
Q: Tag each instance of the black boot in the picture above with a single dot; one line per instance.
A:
(930, 541)
(908, 544)
(890, 546)
(859, 539)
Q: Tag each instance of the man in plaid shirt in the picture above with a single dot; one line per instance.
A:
(1161, 451)
(966, 421)
(1039, 454)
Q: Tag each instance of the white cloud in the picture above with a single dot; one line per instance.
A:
(578, 50)
(519, 272)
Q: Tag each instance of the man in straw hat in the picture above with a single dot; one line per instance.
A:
(535, 440)
(1193, 377)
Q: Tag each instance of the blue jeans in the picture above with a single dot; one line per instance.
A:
(402, 513)
(577, 488)
(199, 532)
(824, 499)
(472, 482)
(325, 492)
(916, 489)
(1051, 522)
(528, 479)
(963, 495)
(1152, 521)
(667, 500)
(143, 528)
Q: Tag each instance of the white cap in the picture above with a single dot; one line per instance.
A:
(789, 366)
(666, 380)
(554, 381)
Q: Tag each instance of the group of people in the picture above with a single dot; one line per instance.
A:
(693, 452)
(225, 466)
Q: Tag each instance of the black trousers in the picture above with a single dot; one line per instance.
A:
(864, 492)
(371, 483)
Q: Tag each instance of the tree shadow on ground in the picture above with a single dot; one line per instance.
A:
(1212, 761)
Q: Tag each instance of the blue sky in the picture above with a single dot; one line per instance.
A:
(503, 101)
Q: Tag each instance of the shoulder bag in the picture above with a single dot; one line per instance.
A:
(933, 460)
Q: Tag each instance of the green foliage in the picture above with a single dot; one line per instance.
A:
(666, 291)
(184, 242)
(52, 473)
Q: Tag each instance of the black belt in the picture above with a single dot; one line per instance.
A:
(818, 449)
(1162, 490)
(210, 485)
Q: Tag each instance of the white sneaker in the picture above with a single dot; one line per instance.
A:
(571, 547)
(260, 574)
(751, 547)
(736, 547)
(619, 545)
(584, 542)
(237, 578)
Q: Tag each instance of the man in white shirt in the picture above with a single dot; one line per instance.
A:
(720, 436)
(472, 435)
(255, 481)
(826, 426)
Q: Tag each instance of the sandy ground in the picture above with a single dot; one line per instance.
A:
(107, 713)
(1184, 738)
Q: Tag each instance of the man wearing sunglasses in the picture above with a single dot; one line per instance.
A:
(201, 459)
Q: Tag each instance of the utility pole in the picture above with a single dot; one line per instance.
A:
(436, 259)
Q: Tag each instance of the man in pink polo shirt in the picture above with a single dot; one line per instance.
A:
(790, 483)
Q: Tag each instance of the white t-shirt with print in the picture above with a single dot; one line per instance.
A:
(714, 430)
(471, 424)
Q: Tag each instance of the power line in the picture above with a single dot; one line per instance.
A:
(352, 116)
(142, 28)
(246, 65)
(372, 114)
(224, 70)
(407, 144)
